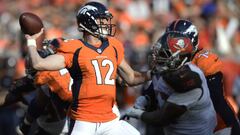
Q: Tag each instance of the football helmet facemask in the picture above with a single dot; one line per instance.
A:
(171, 51)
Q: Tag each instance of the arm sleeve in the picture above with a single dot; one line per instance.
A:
(164, 116)
(41, 78)
(149, 93)
(120, 50)
(187, 99)
(24, 84)
(67, 49)
(68, 59)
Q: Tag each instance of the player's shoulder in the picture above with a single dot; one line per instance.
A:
(69, 45)
(183, 79)
(115, 42)
(205, 55)
(208, 62)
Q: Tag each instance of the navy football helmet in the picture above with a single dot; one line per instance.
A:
(171, 51)
(185, 27)
(95, 19)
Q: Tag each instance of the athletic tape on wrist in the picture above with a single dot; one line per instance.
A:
(31, 42)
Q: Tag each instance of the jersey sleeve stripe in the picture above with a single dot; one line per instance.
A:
(76, 74)
(116, 52)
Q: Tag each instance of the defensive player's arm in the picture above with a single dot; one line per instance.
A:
(16, 91)
(167, 114)
(175, 106)
(35, 109)
(132, 77)
(52, 62)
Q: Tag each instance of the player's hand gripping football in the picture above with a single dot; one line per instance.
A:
(31, 40)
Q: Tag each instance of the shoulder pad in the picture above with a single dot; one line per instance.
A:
(183, 79)
(69, 46)
(208, 62)
(115, 41)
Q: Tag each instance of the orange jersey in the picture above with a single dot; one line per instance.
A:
(208, 62)
(93, 70)
(59, 82)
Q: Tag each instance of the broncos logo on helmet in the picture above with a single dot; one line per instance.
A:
(86, 9)
(95, 19)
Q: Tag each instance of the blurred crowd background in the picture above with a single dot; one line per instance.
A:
(139, 24)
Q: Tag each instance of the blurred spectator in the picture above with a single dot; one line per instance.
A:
(139, 10)
(231, 71)
(139, 24)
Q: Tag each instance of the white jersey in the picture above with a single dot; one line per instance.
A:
(200, 117)
(160, 87)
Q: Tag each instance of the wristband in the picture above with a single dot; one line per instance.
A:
(31, 42)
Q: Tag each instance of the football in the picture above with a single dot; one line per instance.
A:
(30, 23)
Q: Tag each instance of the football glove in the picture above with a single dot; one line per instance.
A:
(133, 113)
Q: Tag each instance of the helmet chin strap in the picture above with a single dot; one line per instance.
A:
(92, 33)
(183, 62)
(175, 54)
(159, 70)
(86, 29)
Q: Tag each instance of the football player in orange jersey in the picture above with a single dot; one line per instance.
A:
(210, 64)
(93, 63)
(23, 86)
(51, 86)
(53, 98)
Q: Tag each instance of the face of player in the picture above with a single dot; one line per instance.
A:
(103, 31)
(104, 26)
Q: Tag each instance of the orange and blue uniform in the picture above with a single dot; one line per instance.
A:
(57, 81)
(208, 62)
(211, 66)
(93, 70)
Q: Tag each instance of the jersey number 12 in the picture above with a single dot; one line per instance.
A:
(107, 79)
